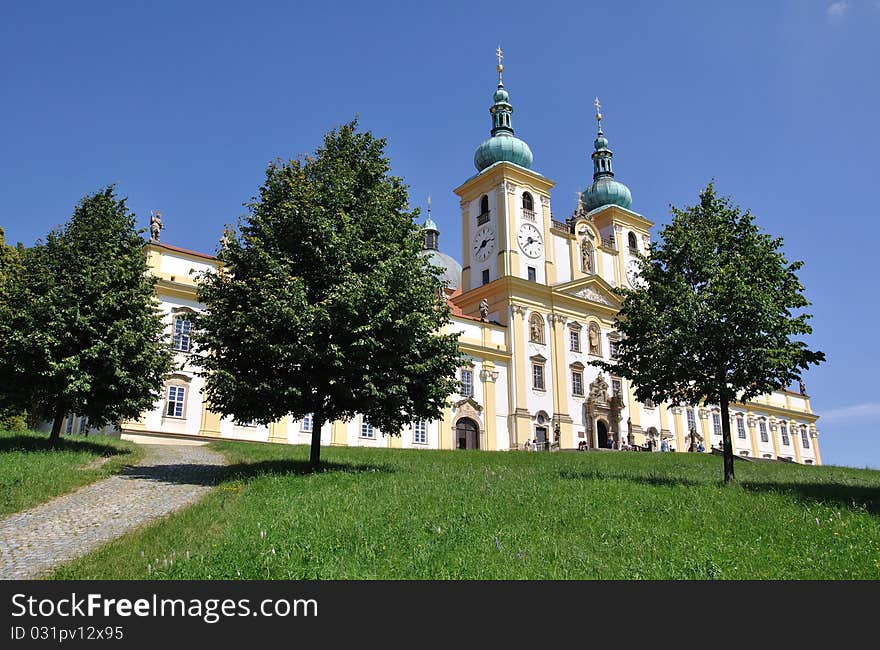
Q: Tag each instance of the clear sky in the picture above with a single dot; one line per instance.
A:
(184, 104)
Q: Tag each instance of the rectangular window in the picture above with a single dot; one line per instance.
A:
(740, 428)
(805, 440)
(692, 420)
(467, 383)
(783, 429)
(485, 276)
(533, 276)
(616, 386)
(574, 338)
(83, 425)
(182, 334)
(613, 348)
(176, 396)
(420, 432)
(69, 428)
(577, 383)
(649, 404)
(716, 423)
(762, 427)
(307, 423)
(367, 430)
(538, 376)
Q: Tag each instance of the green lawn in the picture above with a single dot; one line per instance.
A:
(31, 473)
(387, 514)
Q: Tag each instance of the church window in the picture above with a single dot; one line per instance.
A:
(762, 427)
(420, 432)
(536, 328)
(176, 399)
(633, 244)
(69, 428)
(740, 427)
(182, 340)
(533, 276)
(783, 430)
(306, 423)
(528, 202)
(716, 424)
(485, 276)
(367, 429)
(692, 420)
(538, 376)
(574, 337)
(83, 424)
(483, 217)
(805, 440)
(595, 339)
(616, 386)
(577, 383)
(649, 404)
(467, 382)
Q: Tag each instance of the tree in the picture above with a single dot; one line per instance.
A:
(324, 305)
(713, 318)
(81, 332)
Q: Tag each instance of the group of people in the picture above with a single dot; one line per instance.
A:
(532, 445)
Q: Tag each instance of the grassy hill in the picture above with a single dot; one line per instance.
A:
(391, 514)
(31, 473)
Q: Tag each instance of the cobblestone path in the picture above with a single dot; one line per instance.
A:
(168, 478)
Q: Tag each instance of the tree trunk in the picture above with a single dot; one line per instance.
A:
(55, 435)
(726, 440)
(315, 453)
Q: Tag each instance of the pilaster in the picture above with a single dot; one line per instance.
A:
(488, 375)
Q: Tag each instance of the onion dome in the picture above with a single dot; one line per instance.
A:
(604, 190)
(503, 145)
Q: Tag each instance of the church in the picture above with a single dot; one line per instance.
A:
(533, 303)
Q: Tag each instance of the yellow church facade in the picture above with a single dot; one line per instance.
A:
(533, 302)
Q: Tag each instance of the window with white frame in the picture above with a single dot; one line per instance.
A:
(574, 338)
(691, 420)
(783, 430)
(805, 439)
(649, 404)
(83, 424)
(577, 383)
(716, 423)
(538, 376)
(367, 430)
(420, 432)
(176, 400)
(306, 423)
(616, 386)
(740, 427)
(69, 428)
(467, 382)
(762, 429)
(182, 340)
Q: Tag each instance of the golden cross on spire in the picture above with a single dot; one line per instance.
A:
(500, 56)
(598, 109)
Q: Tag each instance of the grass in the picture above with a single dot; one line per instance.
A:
(393, 514)
(31, 473)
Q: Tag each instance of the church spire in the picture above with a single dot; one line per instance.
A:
(432, 234)
(501, 110)
(602, 155)
(604, 190)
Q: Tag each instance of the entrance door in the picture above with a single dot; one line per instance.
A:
(541, 437)
(467, 434)
(602, 434)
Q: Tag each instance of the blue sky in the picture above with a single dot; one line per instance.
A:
(184, 104)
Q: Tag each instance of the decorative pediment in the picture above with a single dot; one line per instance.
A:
(468, 402)
(538, 358)
(592, 289)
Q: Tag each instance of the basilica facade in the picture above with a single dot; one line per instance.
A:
(533, 303)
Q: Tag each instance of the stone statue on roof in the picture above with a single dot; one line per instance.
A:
(156, 225)
(484, 310)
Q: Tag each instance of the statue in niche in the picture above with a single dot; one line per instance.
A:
(536, 327)
(594, 336)
(156, 225)
(587, 257)
(484, 310)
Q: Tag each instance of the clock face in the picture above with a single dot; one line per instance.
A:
(530, 240)
(632, 275)
(484, 243)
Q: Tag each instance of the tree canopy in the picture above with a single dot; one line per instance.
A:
(80, 331)
(324, 304)
(715, 316)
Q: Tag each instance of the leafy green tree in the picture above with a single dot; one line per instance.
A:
(324, 304)
(10, 271)
(714, 317)
(81, 332)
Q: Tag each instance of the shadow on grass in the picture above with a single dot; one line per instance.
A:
(859, 498)
(28, 444)
(208, 475)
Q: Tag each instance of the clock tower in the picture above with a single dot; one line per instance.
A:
(505, 207)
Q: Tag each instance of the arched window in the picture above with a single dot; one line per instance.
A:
(595, 339)
(588, 262)
(633, 243)
(536, 328)
(484, 205)
(528, 202)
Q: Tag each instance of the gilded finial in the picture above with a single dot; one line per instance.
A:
(598, 110)
(500, 56)
(429, 205)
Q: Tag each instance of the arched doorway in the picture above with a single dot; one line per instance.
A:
(602, 434)
(467, 434)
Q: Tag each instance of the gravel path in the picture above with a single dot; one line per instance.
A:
(168, 478)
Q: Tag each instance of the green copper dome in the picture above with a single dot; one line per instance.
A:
(429, 224)
(503, 147)
(604, 190)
